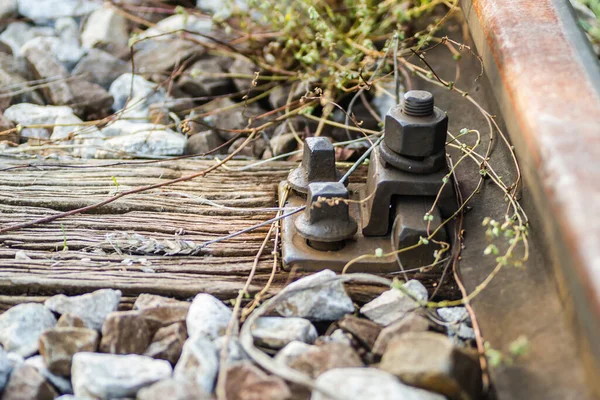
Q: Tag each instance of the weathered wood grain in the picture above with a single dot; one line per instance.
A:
(98, 255)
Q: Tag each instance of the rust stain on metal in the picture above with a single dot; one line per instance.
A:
(558, 113)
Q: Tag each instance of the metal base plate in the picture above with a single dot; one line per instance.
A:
(297, 254)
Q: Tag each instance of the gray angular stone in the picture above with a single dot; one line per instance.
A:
(368, 383)
(33, 114)
(431, 361)
(199, 362)
(291, 351)
(312, 299)
(22, 325)
(207, 316)
(453, 314)
(61, 384)
(16, 87)
(198, 80)
(204, 142)
(6, 367)
(101, 67)
(246, 382)
(235, 352)
(284, 143)
(393, 304)
(107, 29)
(412, 322)
(109, 376)
(92, 308)
(158, 56)
(243, 66)
(42, 11)
(26, 383)
(277, 332)
(173, 389)
(58, 345)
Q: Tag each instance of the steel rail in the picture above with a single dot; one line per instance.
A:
(546, 80)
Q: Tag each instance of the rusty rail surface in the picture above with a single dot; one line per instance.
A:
(546, 80)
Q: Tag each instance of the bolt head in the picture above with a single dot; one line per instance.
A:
(318, 159)
(415, 136)
(318, 164)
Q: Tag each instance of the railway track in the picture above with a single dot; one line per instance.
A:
(541, 81)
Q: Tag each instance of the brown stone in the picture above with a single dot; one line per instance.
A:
(365, 331)
(167, 343)
(431, 361)
(247, 382)
(6, 125)
(84, 97)
(173, 389)
(126, 332)
(58, 345)
(69, 320)
(26, 383)
(412, 322)
(159, 317)
(326, 357)
(155, 56)
(145, 301)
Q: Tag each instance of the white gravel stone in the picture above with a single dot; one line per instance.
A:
(18, 33)
(32, 114)
(178, 22)
(292, 351)
(207, 316)
(221, 10)
(6, 367)
(453, 314)
(368, 383)
(277, 332)
(121, 89)
(110, 376)
(43, 11)
(7, 8)
(22, 325)
(159, 141)
(200, 361)
(66, 53)
(393, 304)
(317, 302)
(92, 308)
(61, 383)
(105, 27)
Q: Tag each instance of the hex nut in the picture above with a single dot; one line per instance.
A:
(415, 136)
(327, 217)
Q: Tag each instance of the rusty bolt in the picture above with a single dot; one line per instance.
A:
(416, 128)
(326, 222)
(318, 165)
